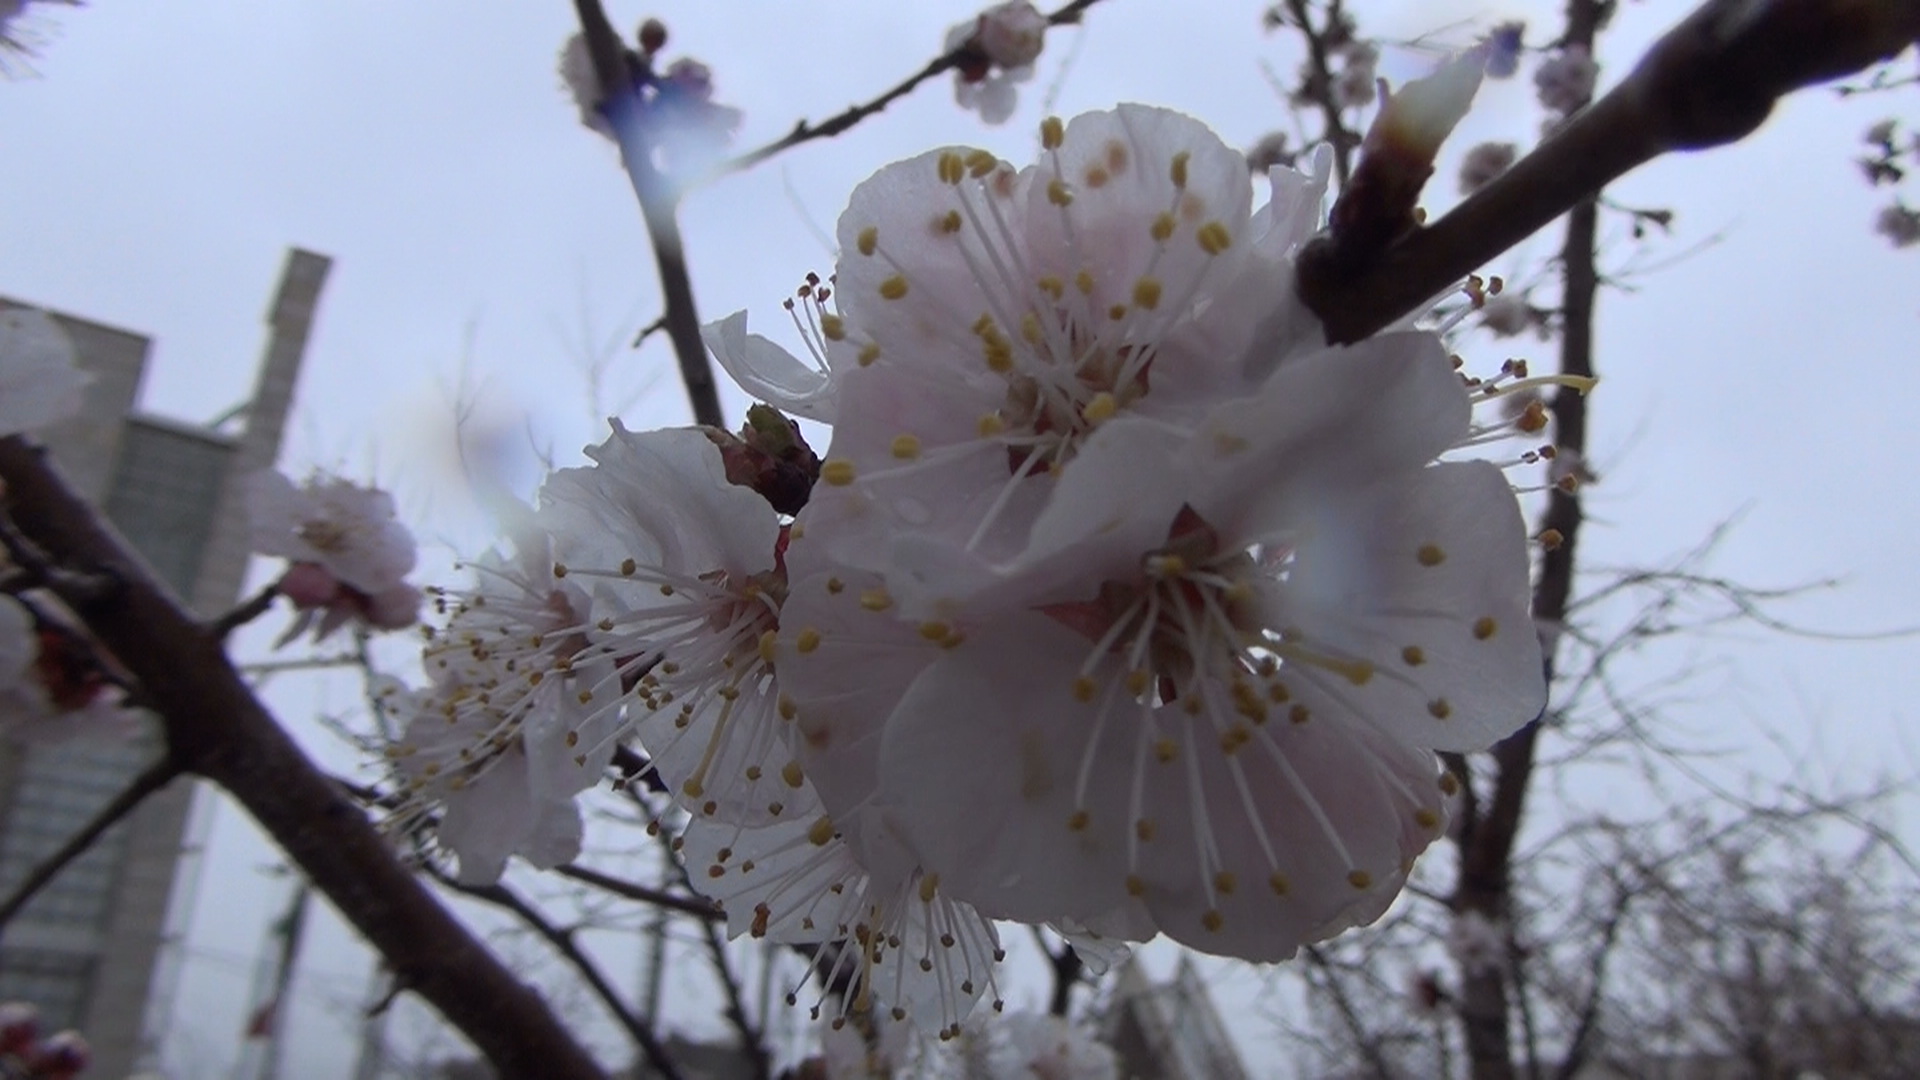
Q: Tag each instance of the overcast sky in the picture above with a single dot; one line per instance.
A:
(162, 157)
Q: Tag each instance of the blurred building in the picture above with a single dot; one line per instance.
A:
(91, 949)
(1170, 1030)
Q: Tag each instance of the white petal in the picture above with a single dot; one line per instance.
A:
(768, 372)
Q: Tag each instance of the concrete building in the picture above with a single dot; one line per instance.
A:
(1170, 1030)
(91, 948)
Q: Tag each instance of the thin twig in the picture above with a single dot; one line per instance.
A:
(562, 941)
(648, 331)
(752, 1040)
(254, 607)
(804, 131)
(150, 780)
(685, 905)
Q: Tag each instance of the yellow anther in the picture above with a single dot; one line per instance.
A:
(559, 569)
(999, 354)
(1165, 750)
(807, 640)
(893, 288)
(1052, 133)
(835, 586)
(1551, 539)
(833, 327)
(1135, 887)
(1137, 681)
(876, 599)
(906, 447)
(952, 168)
(1279, 694)
(1299, 714)
(1360, 879)
(1052, 286)
(929, 885)
(1179, 170)
(1117, 312)
(1234, 738)
(950, 222)
(769, 640)
(1430, 555)
(788, 710)
(1097, 177)
(821, 832)
(1083, 688)
(981, 162)
(1214, 238)
(693, 788)
(1163, 226)
(792, 776)
(1484, 627)
(1277, 881)
(754, 773)
(1449, 784)
(1143, 829)
(869, 239)
(837, 471)
(1224, 882)
(628, 567)
(1358, 672)
(1078, 821)
(1213, 920)
(1146, 293)
(935, 630)
(991, 425)
(1030, 330)
(1101, 408)
(1084, 282)
(869, 353)
(1414, 655)
(1439, 708)
(1425, 818)
(1058, 193)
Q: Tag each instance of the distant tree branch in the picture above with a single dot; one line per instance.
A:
(150, 780)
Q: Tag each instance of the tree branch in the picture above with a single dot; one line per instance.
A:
(216, 728)
(807, 132)
(562, 941)
(150, 780)
(1711, 80)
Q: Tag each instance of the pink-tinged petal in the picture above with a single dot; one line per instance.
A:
(922, 258)
(1324, 425)
(768, 372)
(1269, 835)
(1424, 578)
(982, 765)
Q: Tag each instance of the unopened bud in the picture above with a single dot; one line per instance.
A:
(653, 36)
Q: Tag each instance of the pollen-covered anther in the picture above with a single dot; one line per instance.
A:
(953, 168)
(1138, 680)
(1053, 132)
(807, 640)
(1214, 238)
(1213, 920)
(1101, 408)
(893, 288)
(769, 645)
(1135, 886)
(793, 775)
(980, 163)
(1084, 688)
(935, 630)
(837, 471)
(1551, 539)
(1449, 784)
(1143, 829)
(929, 886)
(1178, 169)
(1146, 293)
(1058, 193)
(1413, 655)
(1163, 226)
(1426, 818)
(990, 425)
(1533, 419)
(1439, 708)
(1165, 750)
(869, 238)
(876, 599)
(1360, 879)
(821, 832)
(1430, 555)
(1299, 714)
(906, 447)
(1078, 821)
(868, 354)
(949, 222)
(1484, 627)
(1224, 882)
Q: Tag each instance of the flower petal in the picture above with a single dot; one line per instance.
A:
(768, 372)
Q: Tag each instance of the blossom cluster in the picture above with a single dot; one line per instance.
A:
(1119, 603)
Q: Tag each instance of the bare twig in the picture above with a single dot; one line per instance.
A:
(1319, 88)
(752, 1040)
(150, 780)
(685, 905)
(562, 941)
(216, 728)
(254, 607)
(648, 331)
(1709, 81)
(1364, 1041)
(803, 131)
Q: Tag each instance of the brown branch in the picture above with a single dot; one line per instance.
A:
(1334, 127)
(1711, 80)
(216, 728)
(617, 69)
(685, 905)
(804, 131)
(562, 941)
(254, 607)
(150, 780)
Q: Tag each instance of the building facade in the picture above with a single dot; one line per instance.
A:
(90, 949)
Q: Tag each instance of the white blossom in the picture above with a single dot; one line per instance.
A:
(1484, 162)
(1565, 80)
(40, 380)
(350, 555)
(1357, 83)
(1899, 224)
(1007, 39)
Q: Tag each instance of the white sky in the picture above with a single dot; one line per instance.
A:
(154, 171)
